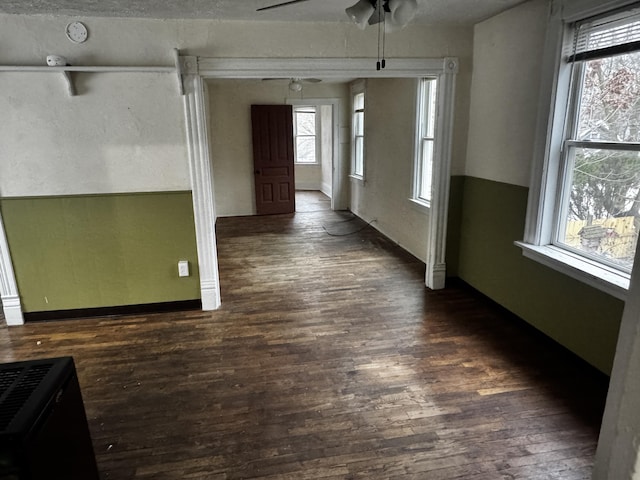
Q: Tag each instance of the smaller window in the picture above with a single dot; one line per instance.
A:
(304, 130)
(357, 163)
(425, 140)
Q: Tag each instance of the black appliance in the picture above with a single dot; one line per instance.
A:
(43, 425)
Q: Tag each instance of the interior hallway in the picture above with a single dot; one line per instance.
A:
(328, 359)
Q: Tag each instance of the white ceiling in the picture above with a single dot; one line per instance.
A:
(430, 11)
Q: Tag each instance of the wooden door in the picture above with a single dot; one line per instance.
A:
(273, 158)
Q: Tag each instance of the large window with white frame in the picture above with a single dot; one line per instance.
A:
(425, 140)
(357, 130)
(305, 134)
(587, 215)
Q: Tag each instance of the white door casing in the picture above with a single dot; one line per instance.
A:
(330, 68)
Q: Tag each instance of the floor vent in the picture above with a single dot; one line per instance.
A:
(16, 387)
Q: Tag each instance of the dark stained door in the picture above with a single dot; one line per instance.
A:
(273, 158)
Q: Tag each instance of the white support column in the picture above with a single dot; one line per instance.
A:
(201, 184)
(437, 238)
(8, 287)
(618, 454)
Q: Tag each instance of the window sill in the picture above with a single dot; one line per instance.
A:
(420, 206)
(601, 277)
(356, 179)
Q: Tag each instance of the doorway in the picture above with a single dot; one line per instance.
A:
(314, 132)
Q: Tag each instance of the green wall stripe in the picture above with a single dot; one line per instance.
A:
(101, 250)
(583, 319)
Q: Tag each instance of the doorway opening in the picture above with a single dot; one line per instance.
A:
(313, 132)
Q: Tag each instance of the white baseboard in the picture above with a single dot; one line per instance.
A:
(12, 310)
(307, 186)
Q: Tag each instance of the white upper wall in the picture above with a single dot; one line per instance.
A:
(121, 133)
(125, 132)
(507, 58)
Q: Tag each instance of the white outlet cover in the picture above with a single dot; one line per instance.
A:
(183, 268)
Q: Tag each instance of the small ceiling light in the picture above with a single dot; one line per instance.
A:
(295, 85)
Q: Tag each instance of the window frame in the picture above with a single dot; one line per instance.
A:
(547, 167)
(424, 108)
(358, 88)
(315, 135)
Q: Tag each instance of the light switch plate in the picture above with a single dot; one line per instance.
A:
(183, 268)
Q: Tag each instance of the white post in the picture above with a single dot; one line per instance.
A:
(438, 214)
(618, 454)
(201, 185)
(8, 287)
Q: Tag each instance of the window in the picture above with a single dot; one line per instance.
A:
(425, 140)
(304, 130)
(588, 207)
(357, 140)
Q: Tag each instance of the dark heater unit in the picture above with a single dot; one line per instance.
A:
(43, 426)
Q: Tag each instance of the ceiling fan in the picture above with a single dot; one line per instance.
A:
(390, 15)
(295, 84)
(395, 14)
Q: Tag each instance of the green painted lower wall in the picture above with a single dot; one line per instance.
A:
(101, 250)
(454, 225)
(581, 318)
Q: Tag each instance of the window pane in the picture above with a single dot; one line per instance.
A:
(306, 149)
(358, 101)
(358, 167)
(426, 168)
(610, 99)
(305, 123)
(602, 213)
(358, 119)
(430, 108)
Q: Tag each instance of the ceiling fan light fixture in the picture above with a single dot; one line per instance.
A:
(295, 85)
(361, 12)
(401, 12)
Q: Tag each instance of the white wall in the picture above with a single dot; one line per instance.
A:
(507, 56)
(114, 136)
(389, 146)
(144, 124)
(231, 144)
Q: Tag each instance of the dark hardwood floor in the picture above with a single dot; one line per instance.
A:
(328, 360)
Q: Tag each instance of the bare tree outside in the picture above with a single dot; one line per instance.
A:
(603, 213)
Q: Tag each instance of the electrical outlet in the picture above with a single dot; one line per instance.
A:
(183, 268)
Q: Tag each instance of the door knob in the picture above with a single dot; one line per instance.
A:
(257, 172)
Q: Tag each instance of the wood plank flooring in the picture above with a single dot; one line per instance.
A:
(328, 360)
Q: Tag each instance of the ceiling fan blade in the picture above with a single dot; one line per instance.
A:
(278, 5)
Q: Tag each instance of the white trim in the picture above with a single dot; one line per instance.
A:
(592, 273)
(544, 196)
(86, 69)
(419, 205)
(574, 10)
(439, 208)
(11, 305)
(330, 68)
(202, 189)
(359, 87)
